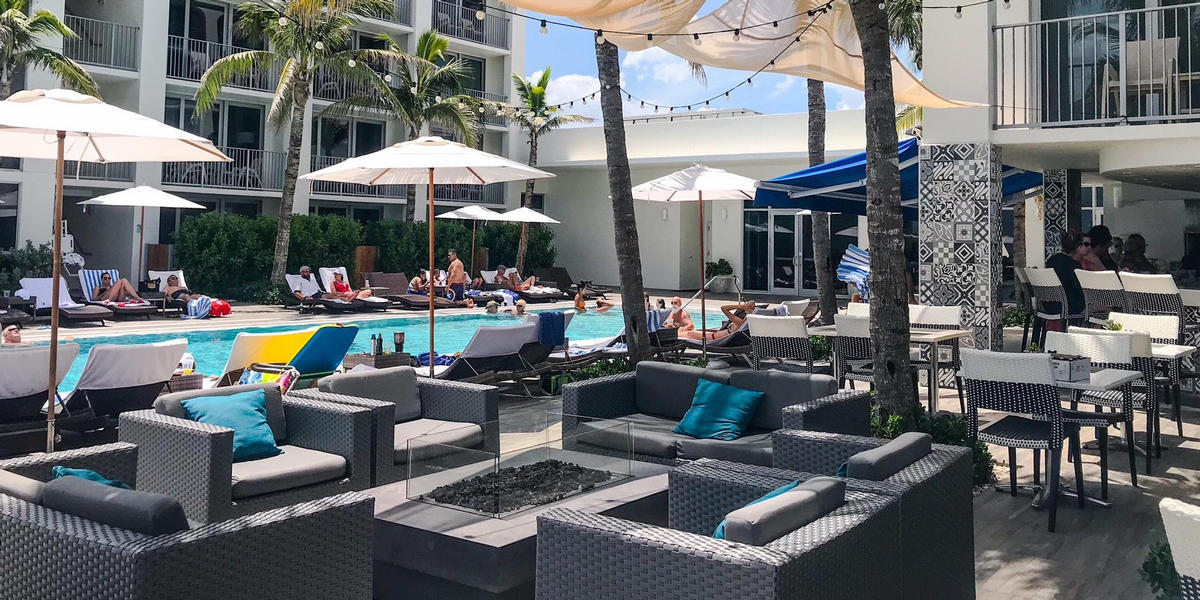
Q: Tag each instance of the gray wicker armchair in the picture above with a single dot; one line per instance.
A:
(848, 553)
(935, 493)
(404, 406)
(327, 451)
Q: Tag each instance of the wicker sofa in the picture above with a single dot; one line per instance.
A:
(46, 553)
(656, 396)
(935, 494)
(404, 406)
(848, 553)
(327, 451)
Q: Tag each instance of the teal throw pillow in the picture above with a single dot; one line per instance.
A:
(787, 487)
(719, 411)
(246, 414)
(60, 471)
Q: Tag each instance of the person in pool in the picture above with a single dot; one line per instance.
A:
(492, 307)
(519, 309)
(119, 291)
(679, 316)
(175, 291)
(581, 304)
(12, 336)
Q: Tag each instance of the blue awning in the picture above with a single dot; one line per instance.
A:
(839, 186)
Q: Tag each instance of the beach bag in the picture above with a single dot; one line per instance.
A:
(219, 308)
(281, 374)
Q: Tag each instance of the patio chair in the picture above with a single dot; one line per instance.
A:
(1050, 301)
(314, 352)
(308, 304)
(922, 316)
(72, 538)
(23, 394)
(858, 309)
(842, 545)
(1182, 524)
(563, 281)
(326, 451)
(779, 339)
(1026, 304)
(809, 309)
(1021, 384)
(1102, 294)
(1163, 329)
(1155, 295)
(396, 283)
(41, 289)
(89, 280)
(368, 303)
(404, 406)
(161, 277)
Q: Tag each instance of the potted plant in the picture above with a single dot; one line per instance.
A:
(721, 275)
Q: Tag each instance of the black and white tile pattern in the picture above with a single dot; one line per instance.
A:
(1054, 209)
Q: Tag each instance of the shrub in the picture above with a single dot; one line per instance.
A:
(822, 348)
(1014, 316)
(323, 241)
(602, 368)
(945, 428)
(720, 267)
(222, 254)
(404, 246)
(1158, 570)
(29, 261)
(502, 239)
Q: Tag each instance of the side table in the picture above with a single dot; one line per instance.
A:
(378, 361)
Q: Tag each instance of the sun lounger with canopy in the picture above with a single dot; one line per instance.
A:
(89, 280)
(41, 288)
(23, 394)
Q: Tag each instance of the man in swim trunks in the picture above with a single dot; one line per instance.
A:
(457, 278)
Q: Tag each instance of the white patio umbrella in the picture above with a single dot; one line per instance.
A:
(526, 215)
(430, 160)
(141, 197)
(697, 183)
(474, 213)
(63, 125)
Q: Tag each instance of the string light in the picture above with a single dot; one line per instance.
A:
(737, 34)
(480, 14)
(543, 29)
(696, 38)
(283, 21)
(319, 45)
(649, 37)
(958, 12)
(599, 37)
(387, 78)
(437, 99)
(750, 81)
(352, 63)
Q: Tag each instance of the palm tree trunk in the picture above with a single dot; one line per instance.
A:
(629, 258)
(283, 232)
(885, 225)
(822, 244)
(5, 81)
(527, 202)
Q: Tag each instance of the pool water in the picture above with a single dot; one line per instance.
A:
(211, 348)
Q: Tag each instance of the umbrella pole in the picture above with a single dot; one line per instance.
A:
(56, 272)
(431, 277)
(141, 242)
(474, 224)
(703, 312)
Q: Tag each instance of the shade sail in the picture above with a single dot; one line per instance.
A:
(526, 215)
(840, 186)
(409, 163)
(696, 182)
(473, 212)
(144, 196)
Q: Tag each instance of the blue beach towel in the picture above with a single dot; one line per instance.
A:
(856, 268)
(552, 327)
(438, 359)
(197, 308)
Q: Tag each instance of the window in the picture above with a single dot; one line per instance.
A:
(227, 124)
(754, 249)
(1091, 203)
(473, 68)
(208, 22)
(9, 200)
(341, 138)
(244, 208)
(538, 204)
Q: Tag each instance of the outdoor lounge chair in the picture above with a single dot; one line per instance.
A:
(161, 277)
(421, 302)
(562, 280)
(70, 545)
(501, 353)
(326, 451)
(314, 352)
(396, 283)
(404, 406)
(12, 316)
(368, 303)
(89, 279)
(295, 282)
(118, 378)
(23, 393)
(68, 309)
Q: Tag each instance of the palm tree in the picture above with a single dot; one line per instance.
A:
(822, 244)
(629, 259)
(306, 36)
(536, 118)
(885, 225)
(19, 37)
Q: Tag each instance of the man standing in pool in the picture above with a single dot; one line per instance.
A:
(457, 279)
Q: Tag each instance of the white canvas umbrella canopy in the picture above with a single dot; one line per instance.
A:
(697, 183)
(141, 197)
(63, 125)
(475, 214)
(430, 160)
(526, 215)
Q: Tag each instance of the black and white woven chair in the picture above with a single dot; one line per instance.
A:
(852, 350)
(1162, 330)
(1102, 294)
(1182, 523)
(1025, 300)
(1023, 386)
(1049, 301)
(1155, 295)
(921, 316)
(779, 339)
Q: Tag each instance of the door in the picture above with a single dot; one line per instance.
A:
(785, 261)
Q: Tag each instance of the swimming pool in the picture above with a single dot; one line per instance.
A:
(211, 348)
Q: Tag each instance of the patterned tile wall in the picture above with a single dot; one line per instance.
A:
(1054, 209)
(959, 235)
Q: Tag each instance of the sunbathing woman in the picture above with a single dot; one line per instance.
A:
(342, 290)
(736, 315)
(417, 286)
(175, 291)
(121, 291)
(679, 317)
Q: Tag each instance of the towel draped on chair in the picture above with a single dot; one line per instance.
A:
(198, 308)
(552, 328)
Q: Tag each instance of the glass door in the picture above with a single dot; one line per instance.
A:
(785, 261)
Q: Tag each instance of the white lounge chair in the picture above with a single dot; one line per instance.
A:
(41, 289)
(23, 394)
(89, 280)
(370, 302)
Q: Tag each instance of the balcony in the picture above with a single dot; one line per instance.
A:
(188, 59)
(250, 170)
(102, 43)
(1116, 68)
(492, 193)
(490, 116)
(461, 22)
(401, 13)
(351, 189)
(97, 171)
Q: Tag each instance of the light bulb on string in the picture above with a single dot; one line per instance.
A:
(649, 37)
(413, 90)
(726, 95)
(480, 14)
(352, 63)
(882, 6)
(319, 45)
(957, 12)
(750, 82)
(283, 21)
(737, 34)
(387, 78)
(696, 39)
(481, 109)
(437, 99)
(543, 29)
(599, 37)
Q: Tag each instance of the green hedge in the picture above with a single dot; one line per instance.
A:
(29, 261)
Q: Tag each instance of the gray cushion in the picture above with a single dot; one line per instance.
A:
(394, 384)
(172, 404)
(19, 486)
(776, 517)
(781, 389)
(880, 463)
(443, 438)
(652, 435)
(143, 512)
(666, 389)
(296, 467)
(753, 449)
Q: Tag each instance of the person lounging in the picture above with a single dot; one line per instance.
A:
(309, 288)
(341, 289)
(175, 291)
(119, 291)
(513, 281)
(735, 315)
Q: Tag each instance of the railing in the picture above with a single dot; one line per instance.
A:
(102, 43)
(250, 170)
(189, 59)
(462, 22)
(331, 86)
(1126, 67)
(401, 13)
(490, 116)
(351, 189)
(492, 193)
(101, 171)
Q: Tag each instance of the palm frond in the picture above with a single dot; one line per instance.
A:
(909, 117)
(224, 69)
(66, 69)
(44, 22)
(698, 72)
(285, 94)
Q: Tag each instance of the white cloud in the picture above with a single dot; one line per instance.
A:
(574, 86)
(656, 65)
(847, 98)
(782, 87)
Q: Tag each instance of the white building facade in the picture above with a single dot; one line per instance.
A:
(148, 56)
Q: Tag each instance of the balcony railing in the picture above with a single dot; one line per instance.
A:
(1126, 67)
(462, 22)
(250, 170)
(189, 59)
(102, 43)
(351, 189)
(401, 13)
(490, 116)
(492, 193)
(98, 171)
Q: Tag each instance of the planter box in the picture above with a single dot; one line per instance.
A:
(1071, 368)
(721, 284)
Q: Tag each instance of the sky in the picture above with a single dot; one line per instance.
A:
(659, 77)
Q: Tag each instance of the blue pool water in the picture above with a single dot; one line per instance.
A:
(211, 348)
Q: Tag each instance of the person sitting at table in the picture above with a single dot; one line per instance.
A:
(1134, 260)
(1104, 246)
(1064, 262)
(735, 315)
(417, 285)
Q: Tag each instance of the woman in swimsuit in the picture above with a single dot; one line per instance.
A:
(175, 291)
(342, 290)
(736, 315)
(120, 291)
